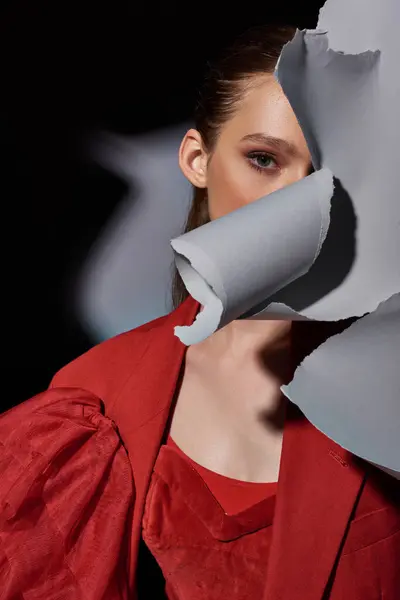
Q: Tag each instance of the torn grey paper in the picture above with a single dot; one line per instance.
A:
(342, 82)
(349, 386)
(265, 245)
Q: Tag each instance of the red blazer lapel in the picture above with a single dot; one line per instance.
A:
(149, 392)
(319, 483)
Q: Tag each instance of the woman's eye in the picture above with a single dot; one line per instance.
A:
(262, 160)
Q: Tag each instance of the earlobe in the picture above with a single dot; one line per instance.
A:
(193, 159)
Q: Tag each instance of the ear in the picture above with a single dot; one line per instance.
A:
(193, 159)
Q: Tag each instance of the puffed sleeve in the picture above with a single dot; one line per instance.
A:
(66, 496)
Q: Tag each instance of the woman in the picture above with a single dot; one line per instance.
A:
(150, 470)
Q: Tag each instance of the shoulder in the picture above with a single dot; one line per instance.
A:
(64, 466)
(105, 369)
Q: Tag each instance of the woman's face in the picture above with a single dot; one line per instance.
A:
(259, 150)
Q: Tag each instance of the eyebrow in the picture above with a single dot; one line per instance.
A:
(278, 143)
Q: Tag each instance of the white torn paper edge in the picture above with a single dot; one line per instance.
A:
(341, 80)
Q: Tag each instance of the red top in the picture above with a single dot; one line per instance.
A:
(232, 494)
(202, 551)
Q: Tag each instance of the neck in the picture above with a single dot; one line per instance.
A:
(252, 343)
(242, 339)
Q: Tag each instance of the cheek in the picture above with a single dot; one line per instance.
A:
(232, 183)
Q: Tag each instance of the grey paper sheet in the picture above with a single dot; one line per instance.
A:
(342, 81)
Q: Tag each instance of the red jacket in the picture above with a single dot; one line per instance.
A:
(76, 462)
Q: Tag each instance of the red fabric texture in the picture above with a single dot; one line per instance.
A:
(233, 495)
(203, 552)
(66, 491)
(77, 461)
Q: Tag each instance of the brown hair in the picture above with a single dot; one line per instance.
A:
(254, 52)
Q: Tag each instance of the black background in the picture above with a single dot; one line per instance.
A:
(68, 68)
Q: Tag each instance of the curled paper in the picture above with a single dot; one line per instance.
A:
(235, 262)
(342, 82)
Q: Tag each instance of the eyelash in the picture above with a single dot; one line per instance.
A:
(251, 156)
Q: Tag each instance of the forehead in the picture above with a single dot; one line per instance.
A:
(264, 108)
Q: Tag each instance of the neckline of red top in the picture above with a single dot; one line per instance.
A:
(234, 495)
